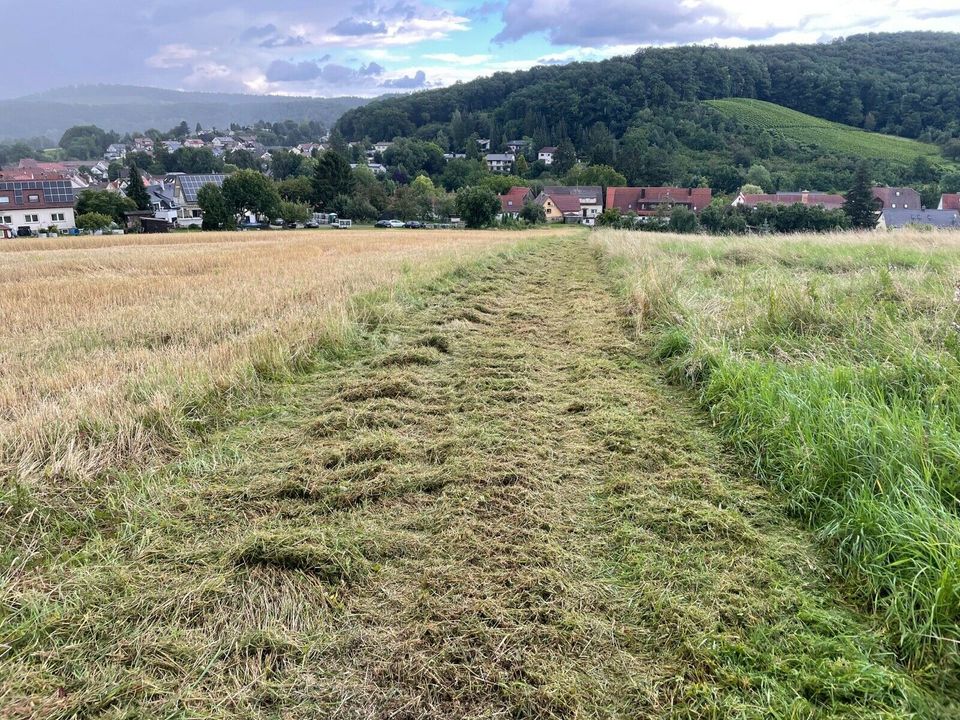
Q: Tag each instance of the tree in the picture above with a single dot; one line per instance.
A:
(859, 204)
(94, 221)
(292, 212)
(332, 177)
(296, 189)
(114, 170)
(250, 192)
(683, 220)
(565, 157)
(284, 164)
(602, 175)
(759, 175)
(104, 202)
(521, 166)
(533, 213)
(136, 191)
(478, 206)
(216, 213)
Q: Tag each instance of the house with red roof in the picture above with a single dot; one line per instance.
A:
(648, 201)
(511, 202)
(949, 201)
(811, 199)
(561, 208)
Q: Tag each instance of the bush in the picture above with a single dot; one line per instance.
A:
(94, 221)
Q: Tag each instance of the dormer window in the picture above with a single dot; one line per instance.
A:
(33, 198)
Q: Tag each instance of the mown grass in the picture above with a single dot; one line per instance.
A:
(487, 506)
(814, 132)
(833, 365)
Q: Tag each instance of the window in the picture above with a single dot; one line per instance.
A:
(31, 218)
(57, 217)
(4, 200)
(6, 219)
(33, 198)
(894, 206)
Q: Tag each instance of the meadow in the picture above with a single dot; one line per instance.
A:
(824, 135)
(832, 365)
(112, 345)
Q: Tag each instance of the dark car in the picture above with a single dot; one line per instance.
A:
(413, 224)
(383, 224)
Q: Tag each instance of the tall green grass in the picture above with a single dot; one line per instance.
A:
(833, 366)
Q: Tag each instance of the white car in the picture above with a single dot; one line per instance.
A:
(396, 223)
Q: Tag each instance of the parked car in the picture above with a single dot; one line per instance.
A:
(413, 224)
(396, 223)
(383, 224)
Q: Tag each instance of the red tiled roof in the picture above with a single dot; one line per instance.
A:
(567, 204)
(950, 201)
(512, 201)
(828, 201)
(640, 199)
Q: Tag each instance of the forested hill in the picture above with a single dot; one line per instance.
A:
(646, 115)
(126, 108)
(897, 83)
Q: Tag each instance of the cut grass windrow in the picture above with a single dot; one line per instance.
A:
(489, 507)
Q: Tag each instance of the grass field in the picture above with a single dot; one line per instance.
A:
(833, 365)
(111, 343)
(468, 493)
(809, 131)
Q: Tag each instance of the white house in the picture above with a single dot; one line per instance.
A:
(37, 204)
(500, 163)
(115, 151)
(546, 155)
(382, 146)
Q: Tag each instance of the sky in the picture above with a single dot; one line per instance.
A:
(370, 47)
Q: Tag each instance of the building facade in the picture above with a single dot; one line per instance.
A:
(37, 205)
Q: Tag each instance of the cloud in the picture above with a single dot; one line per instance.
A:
(616, 22)
(353, 27)
(254, 33)
(419, 80)
(176, 55)
(372, 70)
(284, 71)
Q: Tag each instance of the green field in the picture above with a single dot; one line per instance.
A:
(824, 135)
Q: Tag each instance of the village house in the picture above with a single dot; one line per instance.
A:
(546, 155)
(590, 198)
(172, 145)
(942, 219)
(143, 144)
(649, 201)
(501, 163)
(115, 151)
(560, 208)
(517, 146)
(512, 202)
(308, 149)
(483, 144)
(810, 199)
(897, 198)
(949, 201)
(195, 143)
(37, 204)
(185, 189)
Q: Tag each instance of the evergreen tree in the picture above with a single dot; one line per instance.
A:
(332, 177)
(565, 157)
(136, 191)
(859, 204)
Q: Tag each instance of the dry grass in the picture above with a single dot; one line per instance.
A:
(108, 340)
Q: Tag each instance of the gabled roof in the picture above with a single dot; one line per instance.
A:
(513, 200)
(630, 199)
(191, 184)
(828, 201)
(585, 193)
(936, 218)
(950, 201)
(899, 196)
(548, 150)
(567, 204)
(502, 157)
(36, 194)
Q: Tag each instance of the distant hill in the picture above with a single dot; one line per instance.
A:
(127, 108)
(824, 135)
